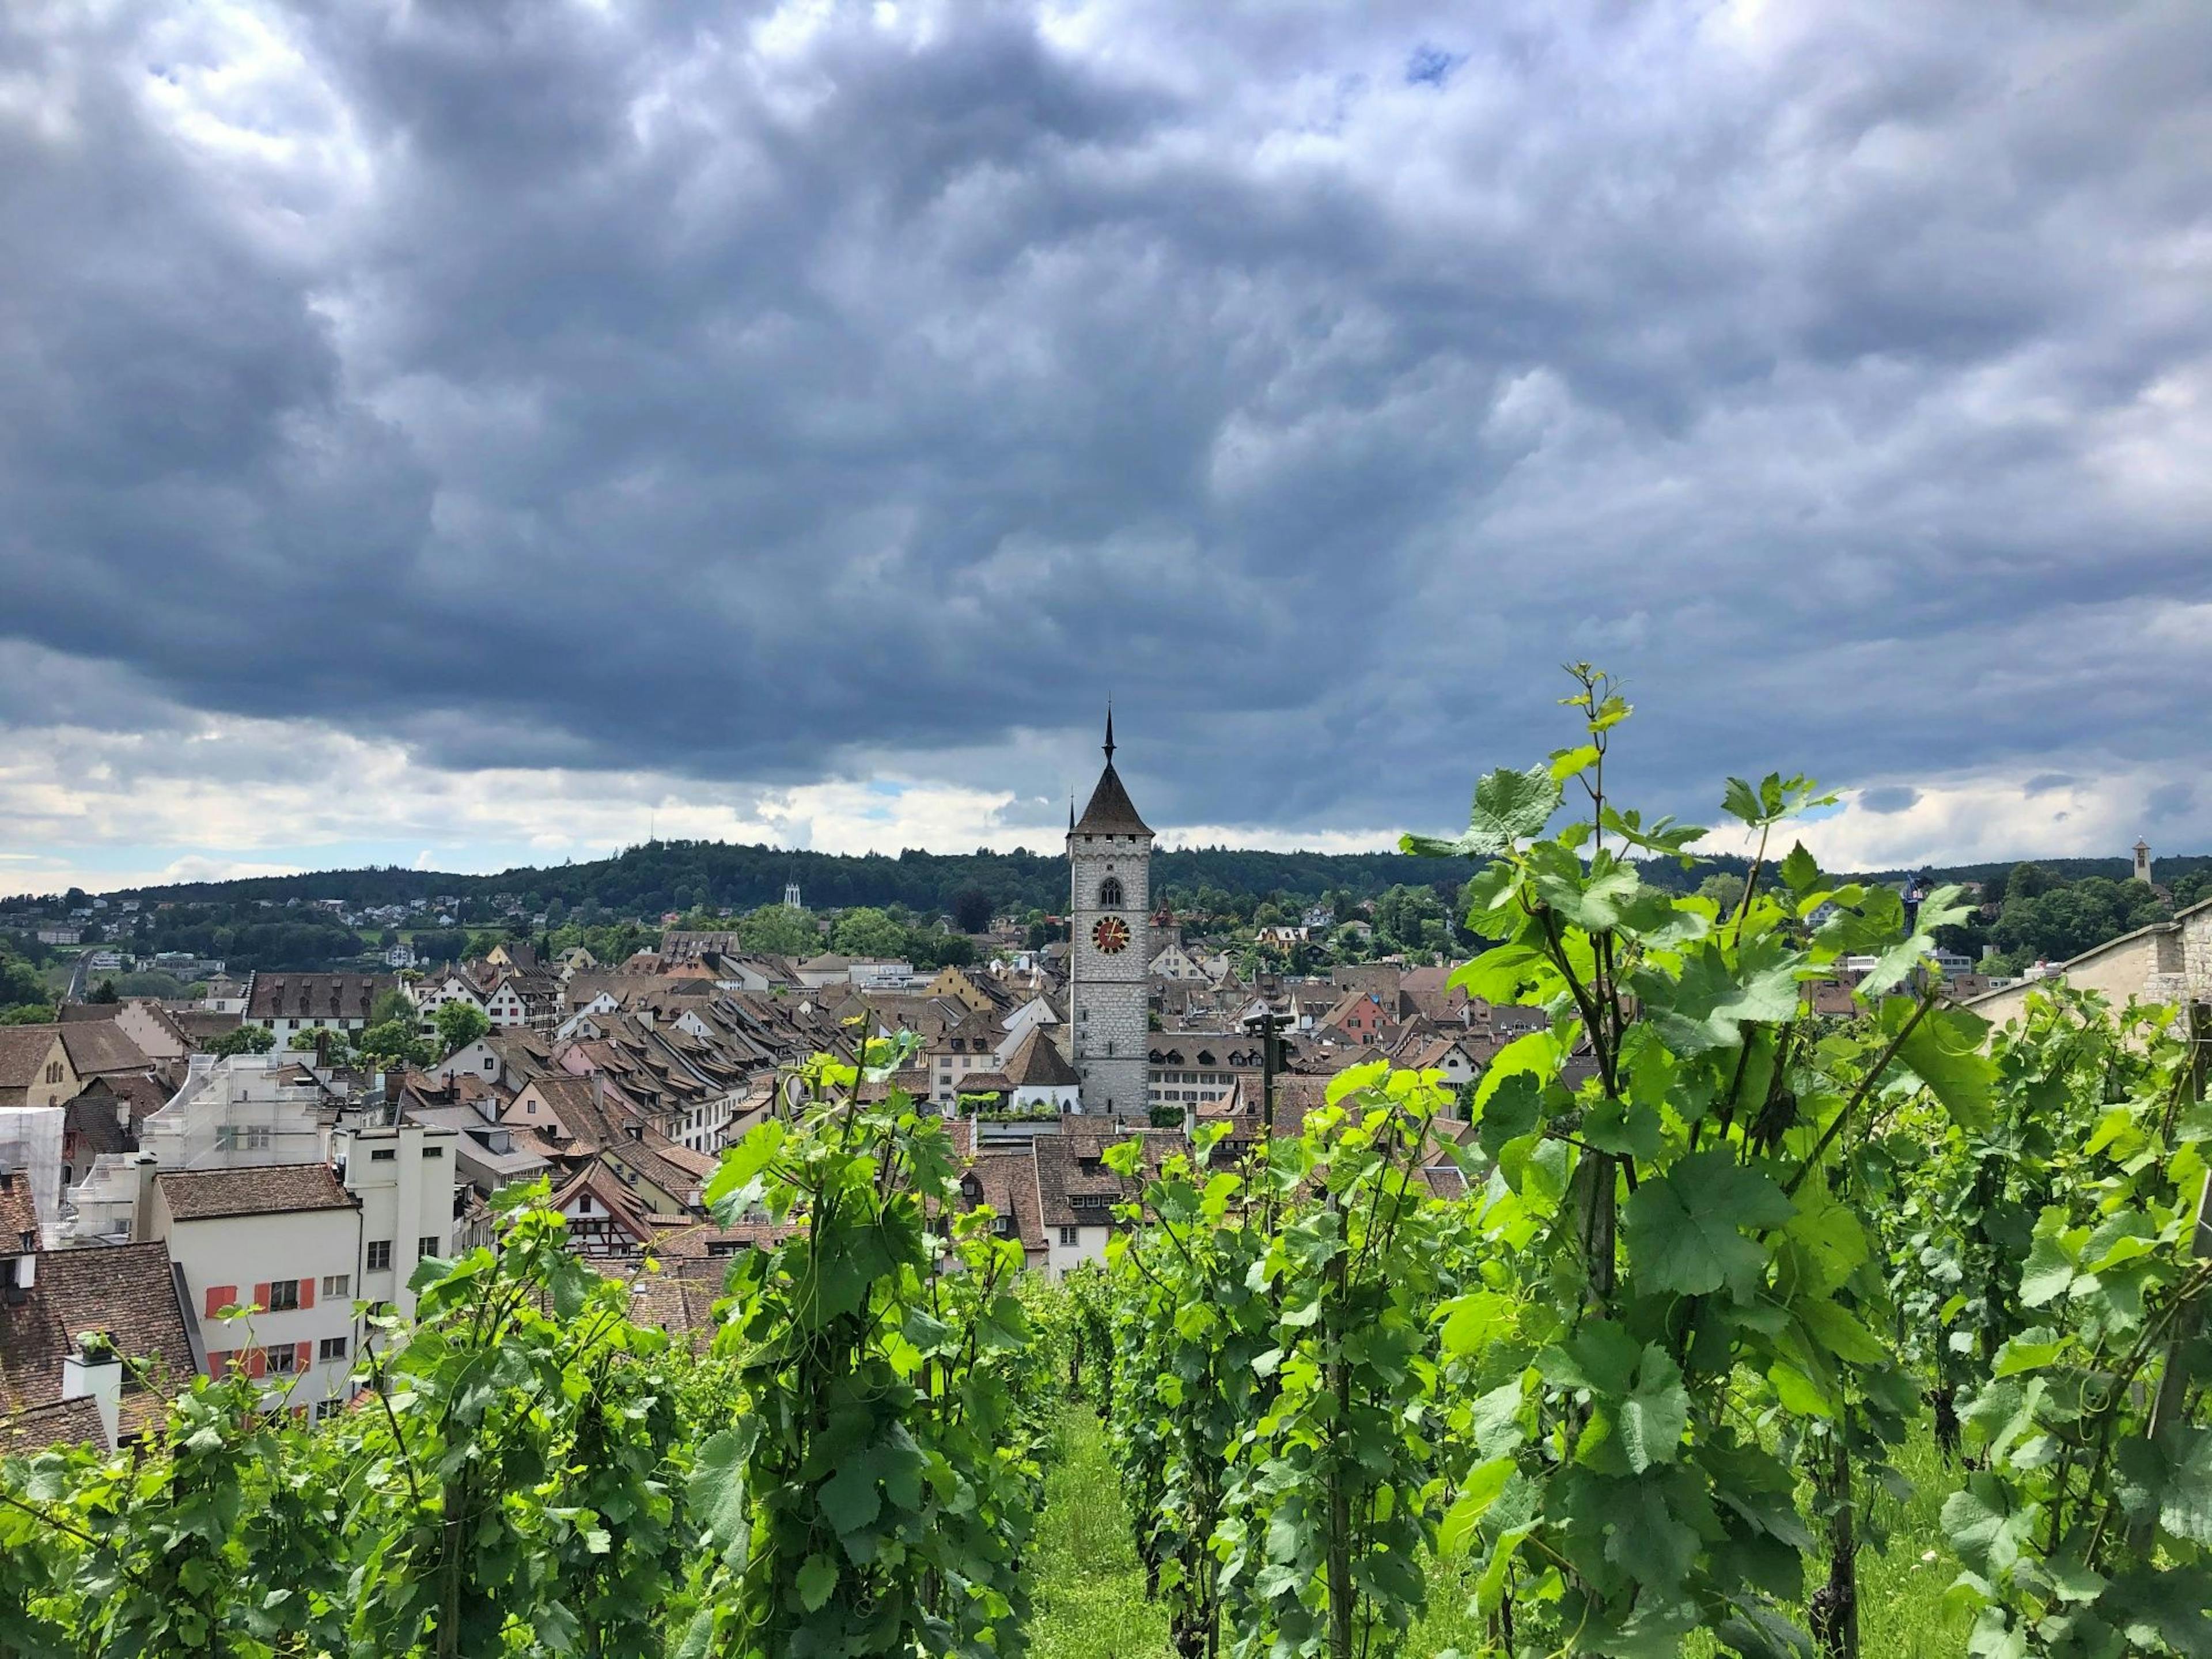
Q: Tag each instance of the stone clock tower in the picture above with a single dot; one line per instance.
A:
(1110, 858)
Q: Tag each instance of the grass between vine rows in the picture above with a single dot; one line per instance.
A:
(1090, 1592)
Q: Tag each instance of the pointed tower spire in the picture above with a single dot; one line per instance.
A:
(1071, 812)
(1109, 732)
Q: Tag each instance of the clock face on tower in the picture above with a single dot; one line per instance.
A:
(1111, 935)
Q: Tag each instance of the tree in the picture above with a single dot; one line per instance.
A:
(393, 1005)
(105, 992)
(393, 1045)
(459, 1023)
(1724, 889)
(330, 1039)
(971, 910)
(244, 1040)
(865, 931)
(777, 930)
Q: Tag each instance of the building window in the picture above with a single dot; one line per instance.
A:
(338, 1285)
(283, 1361)
(334, 1348)
(326, 1409)
(1109, 893)
(383, 1154)
(426, 1245)
(283, 1296)
(1067, 1235)
(379, 1255)
(53, 1071)
(433, 1151)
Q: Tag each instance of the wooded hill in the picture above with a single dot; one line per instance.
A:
(680, 875)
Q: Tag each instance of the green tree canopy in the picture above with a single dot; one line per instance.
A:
(779, 931)
(459, 1023)
(865, 931)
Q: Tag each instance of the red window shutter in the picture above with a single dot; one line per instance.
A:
(305, 1355)
(261, 1296)
(218, 1362)
(220, 1296)
(256, 1363)
(307, 1291)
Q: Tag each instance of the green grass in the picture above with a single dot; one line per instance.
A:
(1089, 1591)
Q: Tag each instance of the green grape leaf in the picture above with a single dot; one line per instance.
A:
(1683, 1227)
(1831, 1326)
(1656, 1411)
(817, 1578)
(1479, 1493)
(1643, 1536)
(718, 1491)
(2171, 1605)
(1944, 1051)
(1985, 1526)
(850, 1499)
(1800, 872)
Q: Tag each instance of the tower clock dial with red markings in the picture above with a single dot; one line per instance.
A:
(1111, 935)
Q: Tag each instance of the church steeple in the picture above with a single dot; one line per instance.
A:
(1110, 811)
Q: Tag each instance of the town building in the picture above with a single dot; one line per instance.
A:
(1109, 868)
(288, 1004)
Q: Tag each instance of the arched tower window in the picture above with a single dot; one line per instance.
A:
(1109, 893)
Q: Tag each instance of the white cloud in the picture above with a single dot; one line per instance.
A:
(102, 810)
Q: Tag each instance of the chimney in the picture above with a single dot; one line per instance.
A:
(141, 1213)
(322, 1048)
(96, 1370)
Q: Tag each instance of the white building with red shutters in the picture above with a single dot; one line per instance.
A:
(282, 1243)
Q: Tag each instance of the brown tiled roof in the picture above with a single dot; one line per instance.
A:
(100, 1046)
(145, 1093)
(258, 1190)
(19, 1212)
(1038, 1063)
(58, 1423)
(614, 1200)
(1007, 1181)
(316, 996)
(90, 1127)
(1110, 812)
(23, 1050)
(126, 1291)
(681, 1305)
(697, 1240)
(597, 1125)
(204, 1026)
(1067, 1166)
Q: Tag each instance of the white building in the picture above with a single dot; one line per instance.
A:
(231, 1232)
(404, 1178)
(288, 1004)
(1110, 865)
(234, 1113)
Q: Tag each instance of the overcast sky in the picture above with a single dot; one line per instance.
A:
(459, 434)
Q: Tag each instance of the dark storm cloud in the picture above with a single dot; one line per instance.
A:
(699, 389)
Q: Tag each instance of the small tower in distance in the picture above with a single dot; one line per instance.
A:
(1109, 855)
(2142, 860)
(791, 896)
